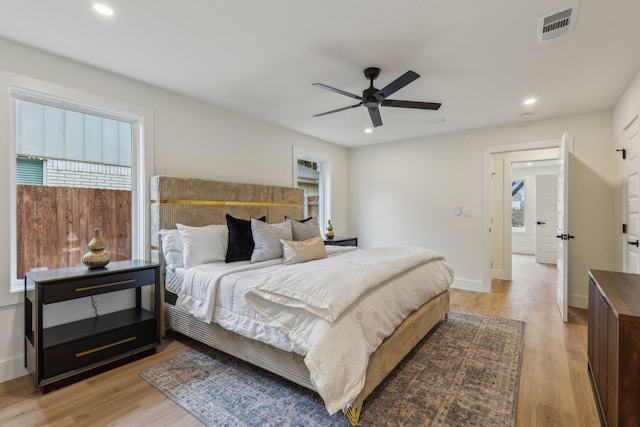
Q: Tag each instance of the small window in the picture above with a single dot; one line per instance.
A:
(518, 205)
(309, 174)
(29, 171)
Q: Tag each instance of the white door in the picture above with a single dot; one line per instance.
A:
(632, 184)
(546, 218)
(562, 227)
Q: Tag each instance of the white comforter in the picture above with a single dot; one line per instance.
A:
(328, 288)
(337, 310)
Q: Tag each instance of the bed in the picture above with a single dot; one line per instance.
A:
(194, 202)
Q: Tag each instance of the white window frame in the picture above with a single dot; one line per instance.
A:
(142, 159)
(324, 213)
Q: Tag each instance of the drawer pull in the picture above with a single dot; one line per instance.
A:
(104, 285)
(113, 344)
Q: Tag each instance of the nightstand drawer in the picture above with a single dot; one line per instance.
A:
(93, 349)
(342, 241)
(86, 286)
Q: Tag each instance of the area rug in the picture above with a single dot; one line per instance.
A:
(463, 373)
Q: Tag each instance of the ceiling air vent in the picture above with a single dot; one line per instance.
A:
(557, 23)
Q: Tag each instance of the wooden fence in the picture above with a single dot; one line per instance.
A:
(55, 225)
(313, 206)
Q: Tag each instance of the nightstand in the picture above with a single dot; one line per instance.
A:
(342, 241)
(63, 354)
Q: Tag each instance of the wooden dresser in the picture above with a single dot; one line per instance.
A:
(614, 346)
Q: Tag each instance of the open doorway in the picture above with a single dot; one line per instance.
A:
(514, 207)
(497, 209)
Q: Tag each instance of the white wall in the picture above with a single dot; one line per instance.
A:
(405, 193)
(191, 139)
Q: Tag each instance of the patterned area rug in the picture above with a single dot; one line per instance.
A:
(464, 373)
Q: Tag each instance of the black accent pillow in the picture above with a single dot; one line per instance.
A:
(240, 239)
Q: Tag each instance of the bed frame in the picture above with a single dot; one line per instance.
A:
(199, 202)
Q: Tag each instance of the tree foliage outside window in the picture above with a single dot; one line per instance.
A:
(518, 205)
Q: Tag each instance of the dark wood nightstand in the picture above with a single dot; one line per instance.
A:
(342, 241)
(63, 354)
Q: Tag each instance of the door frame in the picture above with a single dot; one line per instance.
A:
(487, 153)
(625, 191)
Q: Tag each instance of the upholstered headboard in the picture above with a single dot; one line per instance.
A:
(198, 202)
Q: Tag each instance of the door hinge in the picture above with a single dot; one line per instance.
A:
(624, 228)
(624, 153)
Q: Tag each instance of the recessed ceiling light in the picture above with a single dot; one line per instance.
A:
(368, 130)
(530, 101)
(103, 9)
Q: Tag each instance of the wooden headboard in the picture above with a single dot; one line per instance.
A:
(198, 202)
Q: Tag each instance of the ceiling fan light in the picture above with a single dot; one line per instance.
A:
(368, 130)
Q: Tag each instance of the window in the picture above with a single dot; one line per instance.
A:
(29, 171)
(312, 174)
(518, 205)
(75, 170)
(309, 180)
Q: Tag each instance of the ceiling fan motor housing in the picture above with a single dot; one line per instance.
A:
(369, 99)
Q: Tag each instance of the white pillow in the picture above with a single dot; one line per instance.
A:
(172, 248)
(305, 230)
(203, 244)
(294, 252)
(267, 239)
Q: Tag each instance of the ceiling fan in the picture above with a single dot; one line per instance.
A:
(372, 98)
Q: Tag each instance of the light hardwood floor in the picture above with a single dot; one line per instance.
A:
(554, 387)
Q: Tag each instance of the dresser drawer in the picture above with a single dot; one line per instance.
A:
(87, 351)
(87, 286)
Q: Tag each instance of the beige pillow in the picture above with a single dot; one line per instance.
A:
(294, 252)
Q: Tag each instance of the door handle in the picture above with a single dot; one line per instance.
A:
(568, 236)
(636, 244)
(540, 223)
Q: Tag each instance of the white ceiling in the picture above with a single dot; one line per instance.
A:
(479, 58)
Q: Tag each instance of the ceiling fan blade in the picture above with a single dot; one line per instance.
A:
(397, 84)
(374, 112)
(341, 92)
(411, 104)
(339, 109)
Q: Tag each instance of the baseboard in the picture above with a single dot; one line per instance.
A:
(12, 368)
(579, 301)
(470, 285)
(499, 274)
